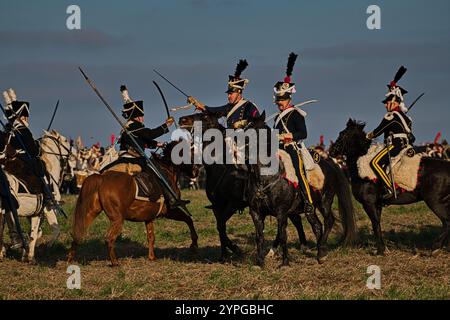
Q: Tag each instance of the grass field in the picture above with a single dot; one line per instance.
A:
(408, 272)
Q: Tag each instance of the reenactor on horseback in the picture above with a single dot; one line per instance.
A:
(396, 127)
(133, 112)
(22, 153)
(238, 110)
(292, 128)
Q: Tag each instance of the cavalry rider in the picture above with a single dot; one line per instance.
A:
(396, 126)
(238, 110)
(291, 124)
(133, 112)
(25, 162)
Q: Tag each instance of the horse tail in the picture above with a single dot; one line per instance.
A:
(88, 194)
(345, 204)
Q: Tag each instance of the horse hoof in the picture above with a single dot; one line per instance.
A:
(303, 249)
(435, 252)
(114, 264)
(284, 265)
(271, 253)
(256, 268)
(32, 261)
(152, 258)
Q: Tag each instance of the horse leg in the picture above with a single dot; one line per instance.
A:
(374, 213)
(114, 230)
(53, 222)
(328, 217)
(35, 221)
(317, 229)
(149, 225)
(282, 224)
(259, 231)
(179, 215)
(441, 210)
(222, 217)
(2, 228)
(296, 219)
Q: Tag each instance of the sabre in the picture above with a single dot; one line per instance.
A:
(47, 189)
(159, 74)
(412, 104)
(149, 162)
(53, 116)
(165, 102)
(296, 106)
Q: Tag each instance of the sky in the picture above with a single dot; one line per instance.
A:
(197, 43)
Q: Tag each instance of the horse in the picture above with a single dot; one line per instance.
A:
(433, 184)
(274, 195)
(114, 193)
(225, 190)
(54, 152)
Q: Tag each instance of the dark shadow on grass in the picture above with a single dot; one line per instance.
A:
(405, 240)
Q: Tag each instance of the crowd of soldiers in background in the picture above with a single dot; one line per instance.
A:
(85, 161)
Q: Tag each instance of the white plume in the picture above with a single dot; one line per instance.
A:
(125, 94)
(12, 94)
(7, 98)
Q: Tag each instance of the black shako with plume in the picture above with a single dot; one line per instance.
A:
(235, 83)
(395, 92)
(284, 89)
(131, 109)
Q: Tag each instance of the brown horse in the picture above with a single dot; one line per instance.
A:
(114, 193)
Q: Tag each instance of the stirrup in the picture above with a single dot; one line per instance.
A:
(309, 208)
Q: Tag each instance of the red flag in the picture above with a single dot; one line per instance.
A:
(321, 140)
(113, 138)
(438, 136)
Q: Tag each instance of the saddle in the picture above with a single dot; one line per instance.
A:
(147, 189)
(405, 167)
(30, 183)
(315, 176)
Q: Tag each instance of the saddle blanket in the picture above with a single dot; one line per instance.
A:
(405, 168)
(315, 176)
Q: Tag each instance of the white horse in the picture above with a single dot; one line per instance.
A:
(54, 152)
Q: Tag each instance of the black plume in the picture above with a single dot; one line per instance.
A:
(123, 88)
(291, 63)
(401, 71)
(242, 64)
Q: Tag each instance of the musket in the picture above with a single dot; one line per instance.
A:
(391, 172)
(138, 148)
(159, 74)
(417, 99)
(53, 116)
(164, 100)
(47, 189)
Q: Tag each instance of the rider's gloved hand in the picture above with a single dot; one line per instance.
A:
(170, 121)
(369, 136)
(197, 104)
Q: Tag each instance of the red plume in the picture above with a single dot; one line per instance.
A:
(321, 139)
(113, 138)
(438, 136)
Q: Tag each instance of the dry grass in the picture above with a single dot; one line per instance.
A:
(408, 272)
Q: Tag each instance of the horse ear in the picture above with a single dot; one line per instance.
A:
(361, 125)
(263, 116)
(350, 123)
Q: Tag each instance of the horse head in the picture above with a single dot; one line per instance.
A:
(189, 169)
(208, 121)
(352, 141)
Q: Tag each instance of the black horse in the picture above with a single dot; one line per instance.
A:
(274, 195)
(433, 184)
(226, 186)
